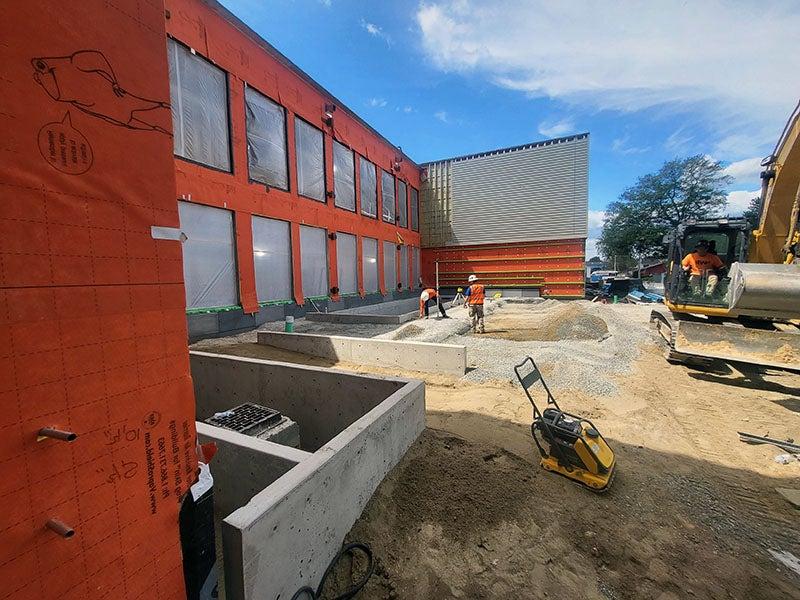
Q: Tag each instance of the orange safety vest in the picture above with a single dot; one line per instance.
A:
(431, 293)
(477, 293)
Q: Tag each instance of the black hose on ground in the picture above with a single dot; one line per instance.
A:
(307, 592)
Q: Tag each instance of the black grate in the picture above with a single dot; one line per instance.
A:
(246, 418)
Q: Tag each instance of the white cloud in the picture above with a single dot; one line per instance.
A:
(376, 31)
(679, 142)
(739, 200)
(554, 129)
(621, 146)
(325, 3)
(407, 109)
(442, 116)
(744, 171)
(626, 56)
(596, 218)
(376, 102)
(591, 248)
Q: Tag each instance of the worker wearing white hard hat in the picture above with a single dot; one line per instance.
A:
(426, 296)
(475, 295)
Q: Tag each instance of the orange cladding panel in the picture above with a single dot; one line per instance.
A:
(92, 310)
(555, 267)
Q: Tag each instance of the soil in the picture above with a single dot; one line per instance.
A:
(692, 513)
(568, 322)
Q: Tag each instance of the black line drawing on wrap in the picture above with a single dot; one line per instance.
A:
(86, 80)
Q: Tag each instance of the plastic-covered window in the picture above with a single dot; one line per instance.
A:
(402, 204)
(314, 261)
(404, 266)
(266, 140)
(344, 177)
(209, 258)
(415, 268)
(387, 193)
(390, 266)
(310, 161)
(369, 253)
(199, 96)
(369, 188)
(414, 209)
(346, 263)
(272, 255)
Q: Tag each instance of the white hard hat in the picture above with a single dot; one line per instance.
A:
(472, 278)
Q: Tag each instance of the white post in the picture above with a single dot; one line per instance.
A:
(437, 276)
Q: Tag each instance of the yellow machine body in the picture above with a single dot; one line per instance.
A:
(597, 458)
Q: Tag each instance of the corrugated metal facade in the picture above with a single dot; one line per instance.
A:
(530, 193)
(517, 218)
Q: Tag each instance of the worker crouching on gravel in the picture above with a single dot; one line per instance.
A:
(475, 295)
(426, 296)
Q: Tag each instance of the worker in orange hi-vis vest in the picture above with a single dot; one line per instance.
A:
(426, 296)
(475, 295)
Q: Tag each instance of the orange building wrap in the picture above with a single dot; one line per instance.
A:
(92, 308)
(555, 268)
(216, 35)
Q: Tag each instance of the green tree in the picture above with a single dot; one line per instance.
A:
(682, 189)
(753, 212)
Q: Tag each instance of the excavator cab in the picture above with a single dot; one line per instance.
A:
(727, 238)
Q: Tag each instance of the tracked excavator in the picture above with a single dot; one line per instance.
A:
(752, 315)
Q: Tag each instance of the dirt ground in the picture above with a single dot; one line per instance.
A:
(693, 512)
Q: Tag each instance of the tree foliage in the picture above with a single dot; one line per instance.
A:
(682, 189)
(753, 212)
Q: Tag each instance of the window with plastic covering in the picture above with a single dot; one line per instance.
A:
(310, 160)
(314, 261)
(199, 98)
(209, 256)
(415, 268)
(344, 177)
(414, 209)
(404, 266)
(390, 266)
(272, 255)
(369, 261)
(388, 198)
(266, 140)
(402, 204)
(369, 188)
(346, 263)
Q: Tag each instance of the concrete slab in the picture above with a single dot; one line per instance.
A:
(408, 356)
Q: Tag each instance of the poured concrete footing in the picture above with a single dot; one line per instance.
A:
(391, 313)
(407, 356)
(287, 510)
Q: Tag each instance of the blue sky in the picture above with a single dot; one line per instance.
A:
(451, 77)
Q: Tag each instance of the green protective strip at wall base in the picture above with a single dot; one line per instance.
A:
(275, 302)
(212, 309)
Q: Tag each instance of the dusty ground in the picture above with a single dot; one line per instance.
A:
(693, 512)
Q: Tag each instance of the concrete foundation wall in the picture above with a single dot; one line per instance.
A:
(322, 402)
(215, 323)
(396, 312)
(244, 465)
(411, 356)
(287, 534)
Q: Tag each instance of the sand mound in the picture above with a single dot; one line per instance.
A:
(567, 322)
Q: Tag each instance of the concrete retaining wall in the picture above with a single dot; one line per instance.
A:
(321, 401)
(283, 536)
(244, 465)
(410, 356)
(393, 313)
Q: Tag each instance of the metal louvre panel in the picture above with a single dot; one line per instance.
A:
(534, 193)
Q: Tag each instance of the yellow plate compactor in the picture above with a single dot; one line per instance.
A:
(575, 448)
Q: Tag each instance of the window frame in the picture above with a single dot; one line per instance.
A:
(377, 289)
(228, 114)
(360, 187)
(253, 217)
(324, 162)
(355, 256)
(397, 203)
(410, 204)
(394, 185)
(356, 199)
(285, 140)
